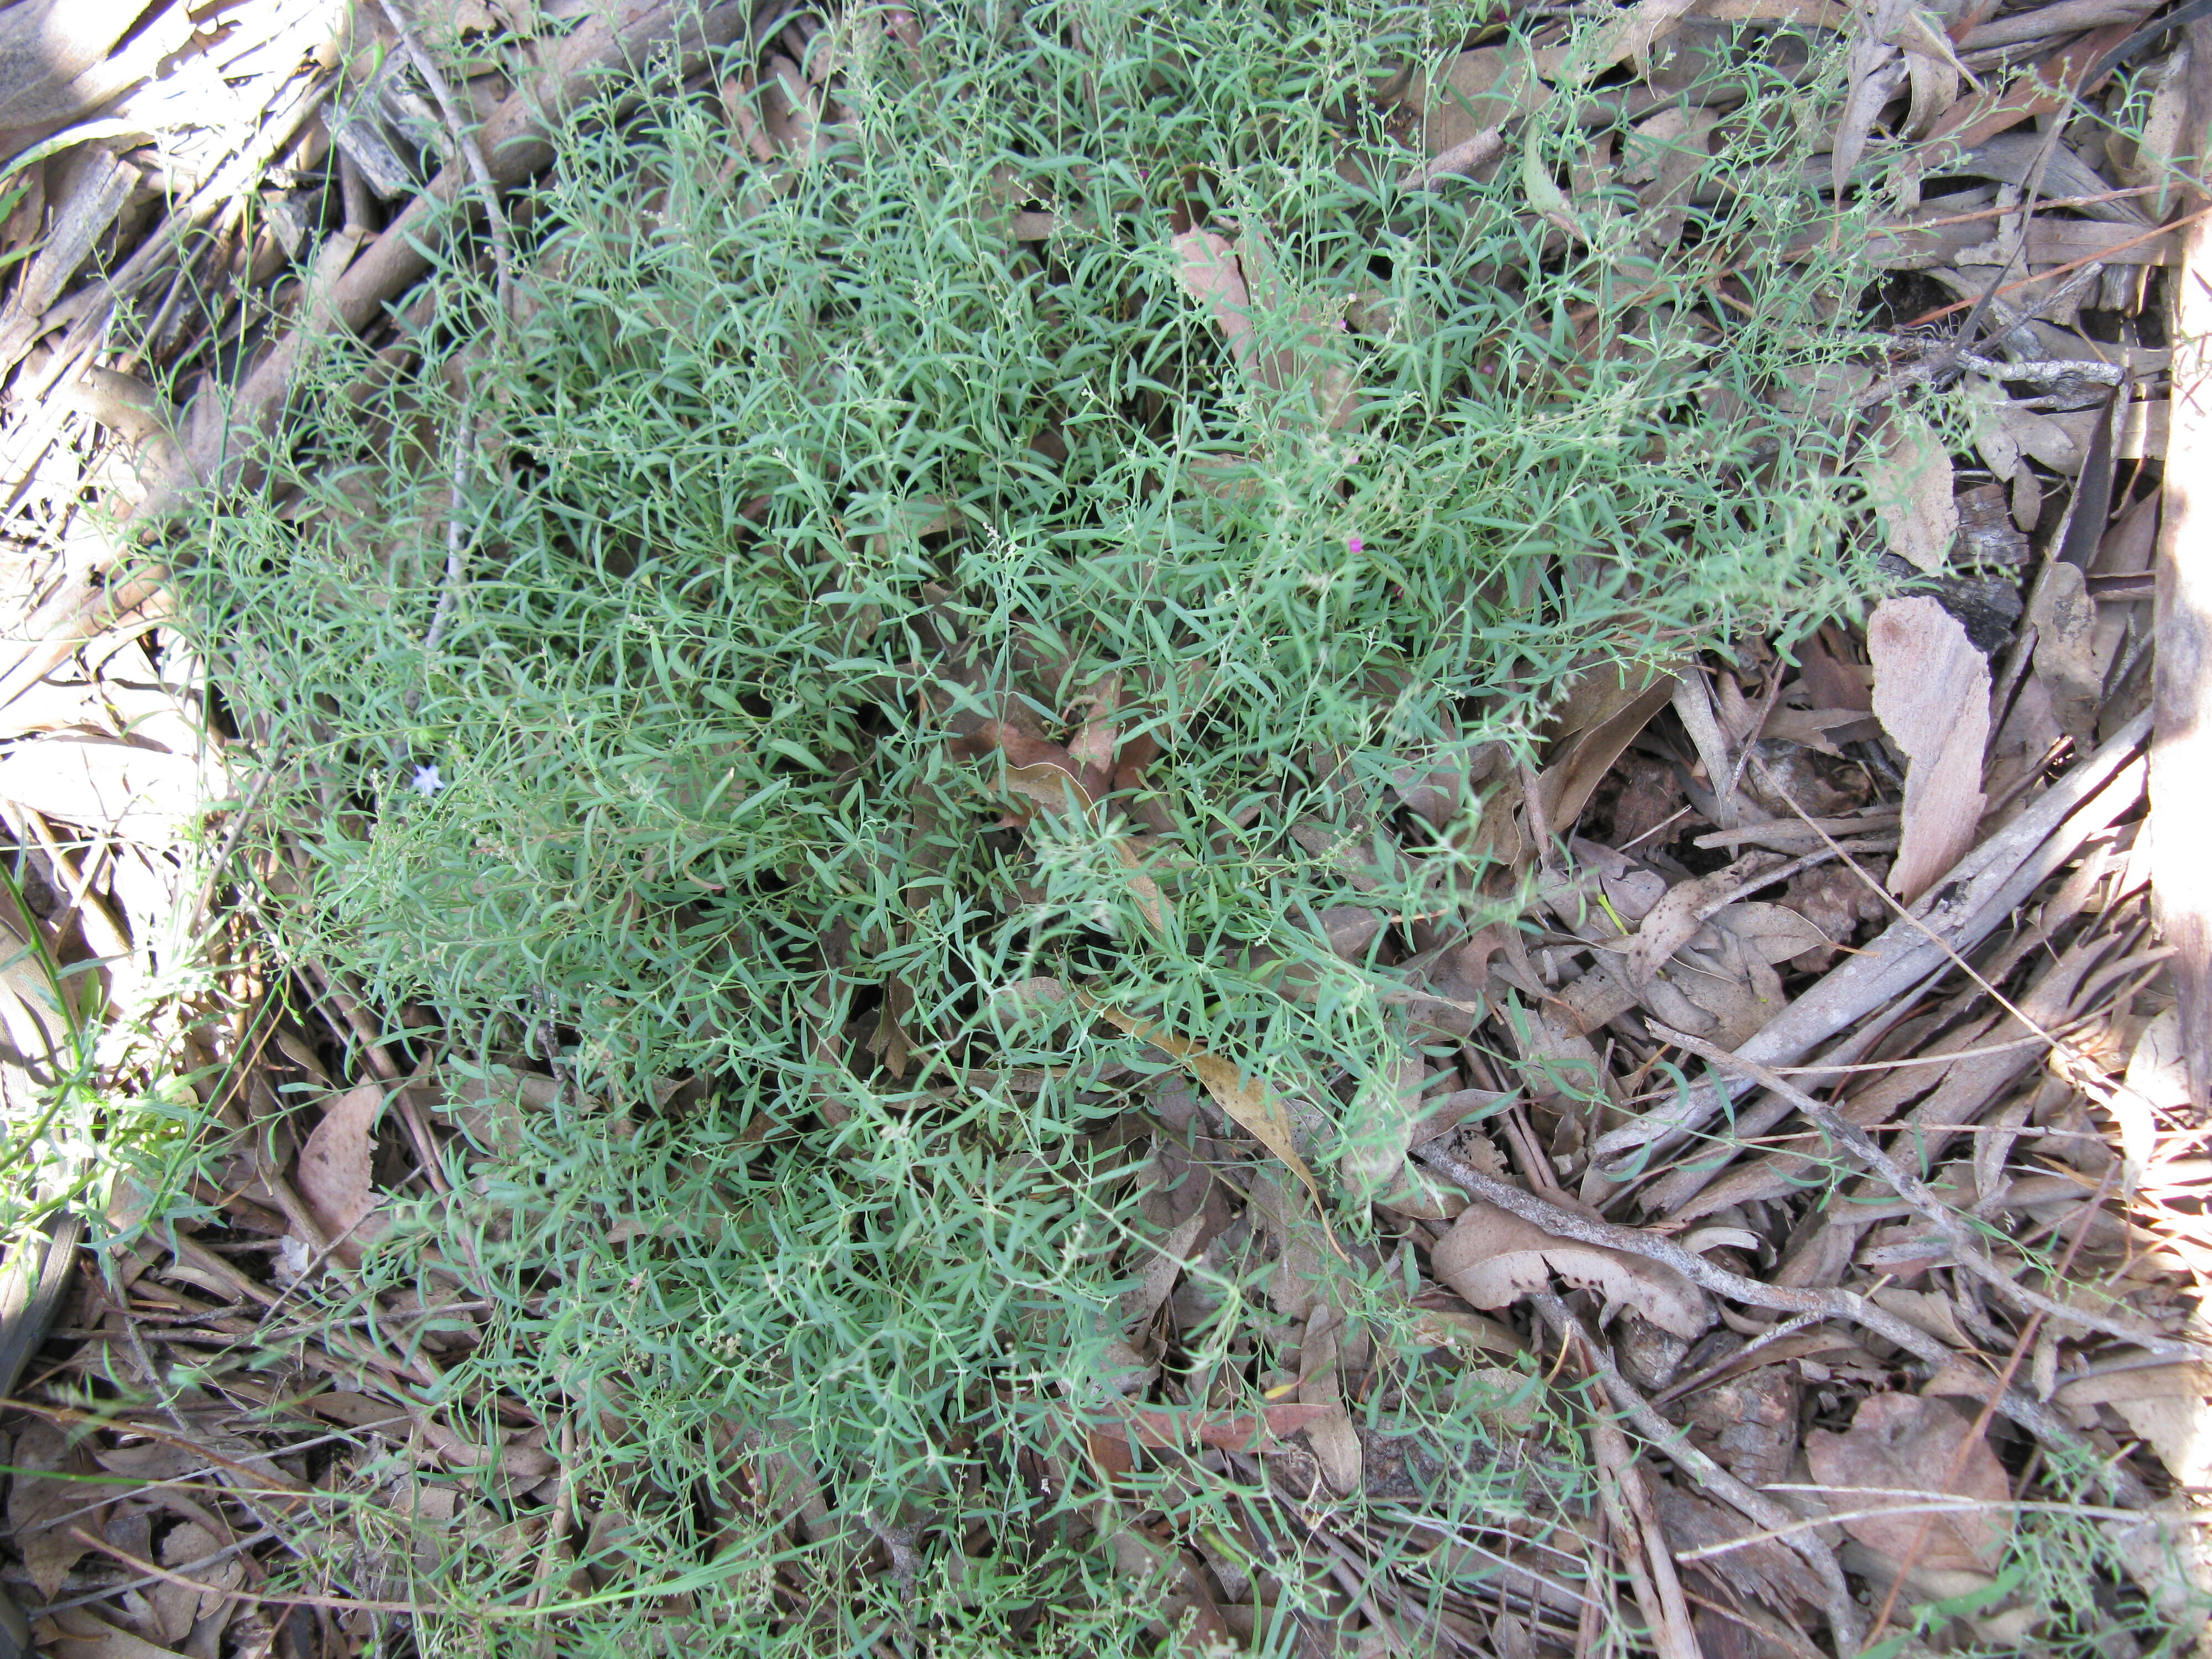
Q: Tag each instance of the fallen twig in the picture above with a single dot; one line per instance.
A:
(457, 540)
(1755, 1506)
(275, 1598)
(2032, 1415)
(1464, 157)
(502, 238)
(1917, 1193)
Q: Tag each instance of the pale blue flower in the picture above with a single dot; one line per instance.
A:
(426, 781)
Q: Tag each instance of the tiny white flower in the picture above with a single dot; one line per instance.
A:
(426, 781)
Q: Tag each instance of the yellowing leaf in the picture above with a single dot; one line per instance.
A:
(1246, 1099)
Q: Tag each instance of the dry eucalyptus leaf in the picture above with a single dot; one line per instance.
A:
(1329, 1430)
(493, 1106)
(39, 1498)
(1911, 488)
(1467, 1333)
(1903, 1442)
(2167, 1551)
(1247, 1099)
(1035, 1007)
(179, 1609)
(2036, 436)
(1211, 275)
(1674, 922)
(1727, 975)
(1931, 694)
(1605, 710)
(335, 1175)
(79, 1635)
(1480, 92)
(1493, 1258)
(1877, 71)
(2065, 621)
(2168, 1406)
(1775, 931)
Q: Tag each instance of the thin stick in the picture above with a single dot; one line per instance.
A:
(1935, 1503)
(278, 1598)
(142, 1582)
(1942, 1059)
(457, 548)
(502, 260)
(1917, 1193)
(1754, 1505)
(2000, 211)
(503, 241)
(1732, 1362)
(1463, 157)
(2032, 1415)
(2058, 271)
(1612, 1455)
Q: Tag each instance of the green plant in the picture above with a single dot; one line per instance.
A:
(630, 661)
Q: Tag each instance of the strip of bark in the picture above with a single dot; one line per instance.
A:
(1957, 914)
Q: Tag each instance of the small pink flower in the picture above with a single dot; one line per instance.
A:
(1353, 544)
